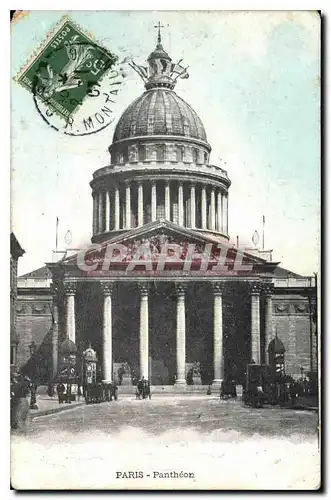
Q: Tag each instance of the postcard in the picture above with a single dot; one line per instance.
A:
(165, 250)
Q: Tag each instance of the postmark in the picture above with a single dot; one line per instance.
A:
(73, 81)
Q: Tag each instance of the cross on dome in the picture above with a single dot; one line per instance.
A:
(159, 26)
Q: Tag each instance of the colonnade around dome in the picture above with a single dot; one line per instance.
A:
(132, 204)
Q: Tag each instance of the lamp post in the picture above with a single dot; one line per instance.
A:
(33, 401)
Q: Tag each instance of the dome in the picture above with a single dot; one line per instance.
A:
(68, 347)
(159, 111)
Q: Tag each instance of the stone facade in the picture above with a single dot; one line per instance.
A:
(294, 321)
(158, 190)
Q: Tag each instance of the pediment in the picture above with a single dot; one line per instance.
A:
(163, 246)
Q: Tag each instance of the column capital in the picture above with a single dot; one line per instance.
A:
(255, 288)
(267, 288)
(144, 289)
(219, 287)
(70, 287)
(107, 287)
(128, 182)
(180, 289)
(180, 183)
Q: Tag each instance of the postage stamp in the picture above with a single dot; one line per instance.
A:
(68, 70)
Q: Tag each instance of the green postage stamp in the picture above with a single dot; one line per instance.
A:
(65, 70)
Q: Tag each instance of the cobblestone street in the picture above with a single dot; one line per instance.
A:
(223, 444)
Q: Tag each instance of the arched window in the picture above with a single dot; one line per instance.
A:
(141, 153)
(205, 156)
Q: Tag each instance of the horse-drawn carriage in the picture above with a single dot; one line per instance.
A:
(259, 385)
(143, 390)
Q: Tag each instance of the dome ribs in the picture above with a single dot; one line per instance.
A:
(135, 118)
(177, 121)
(119, 131)
(168, 115)
(159, 125)
(150, 118)
(159, 111)
(141, 120)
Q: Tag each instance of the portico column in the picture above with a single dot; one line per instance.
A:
(203, 207)
(192, 207)
(128, 206)
(218, 334)
(255, 323)
(70, 290)
(107, 288)
(219, 210)
(180, 204)
(153, 201)
(107, 217)
(140, 204)
(167, 201)
(55, 332)
(268, 320)
(144, 341)
(117, 209)
(100, 221)
(212, 209)
(180, 335)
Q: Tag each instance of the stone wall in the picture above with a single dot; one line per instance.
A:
(291, 320)
(33, 322)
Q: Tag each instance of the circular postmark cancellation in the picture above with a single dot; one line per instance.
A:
(74, 81)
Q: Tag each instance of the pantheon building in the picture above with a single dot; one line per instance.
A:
(161, 314)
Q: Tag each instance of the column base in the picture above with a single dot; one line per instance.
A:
(107, 381)
(217, 382)
(180, 382)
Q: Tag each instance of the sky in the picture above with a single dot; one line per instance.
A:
(254, 82)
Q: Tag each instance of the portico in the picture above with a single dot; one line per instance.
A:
(181, 337)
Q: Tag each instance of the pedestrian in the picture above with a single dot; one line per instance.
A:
(60, 389)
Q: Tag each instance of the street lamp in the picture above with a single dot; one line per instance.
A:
(33, 400)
